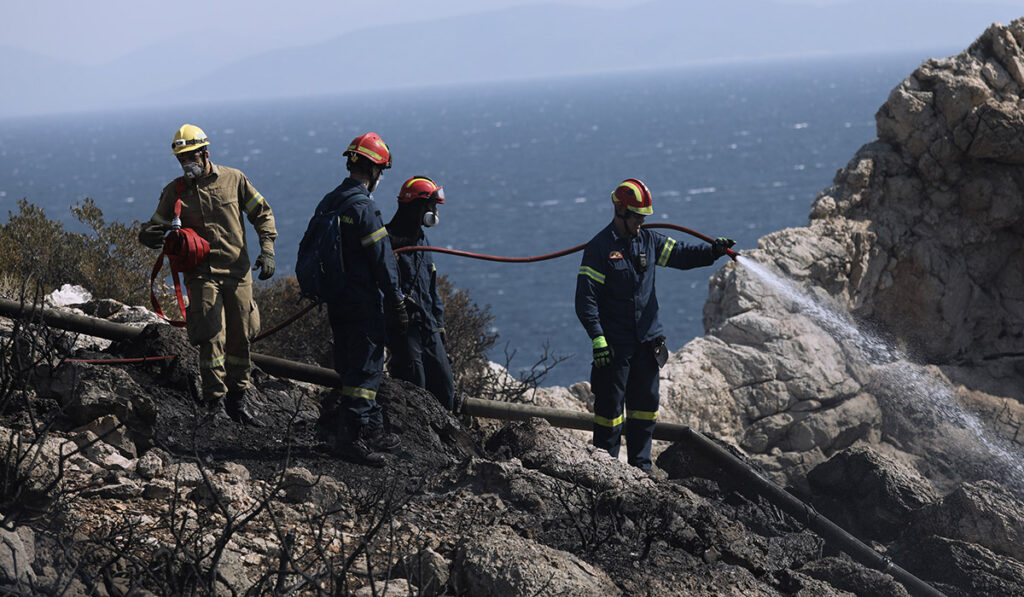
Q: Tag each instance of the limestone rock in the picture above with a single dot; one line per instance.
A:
(396, 587)
(499, 562)
(427, 570)
(984, 513)
(17, 554)
(868, 493)
(303, 487)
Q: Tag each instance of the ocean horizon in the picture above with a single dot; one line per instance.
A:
(736, 150)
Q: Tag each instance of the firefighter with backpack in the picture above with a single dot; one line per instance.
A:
(212, 202)
(345, 260)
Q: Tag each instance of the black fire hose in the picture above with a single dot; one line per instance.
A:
(692, 439)
(556, 254)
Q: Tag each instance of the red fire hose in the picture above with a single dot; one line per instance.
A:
(562, 253)
(470, 255)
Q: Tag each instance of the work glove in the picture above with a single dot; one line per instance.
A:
(602, 352)
(265, 263)
(152, 235)
(401, 315)
(720, 246)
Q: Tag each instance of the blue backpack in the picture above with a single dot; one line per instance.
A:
(320, 267)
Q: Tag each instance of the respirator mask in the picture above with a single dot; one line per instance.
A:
(430, 219)
(193, 170)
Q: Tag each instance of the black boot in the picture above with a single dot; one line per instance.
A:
(211, 411)
(355, 448)
(382, 440)
(239, 411)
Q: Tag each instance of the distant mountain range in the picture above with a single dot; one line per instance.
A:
(528, 42)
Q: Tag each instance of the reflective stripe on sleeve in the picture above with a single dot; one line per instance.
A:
(666, 251)
(253, 202)
(642, 415)
(369, 239)
(592, 273)
(604, 422)
(159, 220)
(358, 392)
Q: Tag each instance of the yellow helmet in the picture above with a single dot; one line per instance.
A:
(188, 138)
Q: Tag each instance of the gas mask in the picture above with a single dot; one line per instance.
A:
(431, 219)
(193, 170)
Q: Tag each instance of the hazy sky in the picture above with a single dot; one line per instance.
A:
(92, 33)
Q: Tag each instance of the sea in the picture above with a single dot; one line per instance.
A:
(733, 149)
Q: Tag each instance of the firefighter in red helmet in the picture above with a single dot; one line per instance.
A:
(419, 356)
(616, 303)
(356, 423)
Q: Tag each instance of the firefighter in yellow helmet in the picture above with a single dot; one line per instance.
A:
(616, 304)
(222, 317)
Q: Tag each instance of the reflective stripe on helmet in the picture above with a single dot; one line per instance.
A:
(371, 147)
(373, 155)
(634, 196)
(420, 187)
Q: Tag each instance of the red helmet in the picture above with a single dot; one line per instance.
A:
(634, 196)
(371, 147)
(420, 187)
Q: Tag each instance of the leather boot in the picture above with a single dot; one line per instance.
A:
(239, 411)
(382, 440)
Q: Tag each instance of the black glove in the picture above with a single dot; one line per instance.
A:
(401, 315)
(152, 235)
(720, 246)
(265, 263)
(603, 353)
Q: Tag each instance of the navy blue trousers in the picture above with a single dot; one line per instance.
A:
(419, 357)
(359, 339)
(630, 380)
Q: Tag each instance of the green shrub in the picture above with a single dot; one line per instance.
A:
(307, 339)
(106, 260)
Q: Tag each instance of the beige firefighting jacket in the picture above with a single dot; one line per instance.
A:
(213, 206)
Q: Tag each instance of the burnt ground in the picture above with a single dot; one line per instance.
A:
(694, 534)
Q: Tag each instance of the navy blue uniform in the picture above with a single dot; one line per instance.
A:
(419, 356)
(615, 298)
(357, 320)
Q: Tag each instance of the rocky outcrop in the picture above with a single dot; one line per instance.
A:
(896, 317)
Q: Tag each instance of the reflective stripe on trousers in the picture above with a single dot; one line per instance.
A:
(630, 381)
(221, 318)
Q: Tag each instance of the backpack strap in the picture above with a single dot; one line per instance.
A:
(349, 202)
